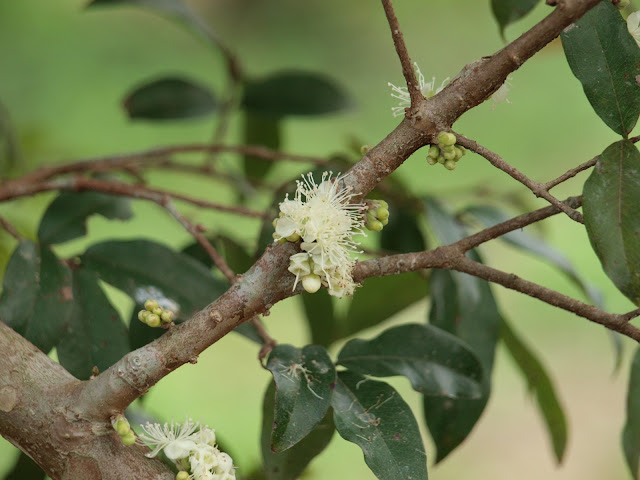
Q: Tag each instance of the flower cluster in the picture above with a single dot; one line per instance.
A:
(402, 93)
(323, 217)
(154, 315)
(447, 152)
(192, 447)
(633, 25)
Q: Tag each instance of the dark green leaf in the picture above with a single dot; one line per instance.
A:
(434, 361)
(25, 469)
(631, 431)
(373, 416)
(290, 464)
(541, 386)
(606, 59)
(402, 234)
(304, 380)
(509, 11)
(294, 93)
(37, 298)
(321, 317)
(96, 335)
(477, 322)
(234, 254)
(263, 131)
(169, 98)
(147, 270)
(66, 217)
(611, 215)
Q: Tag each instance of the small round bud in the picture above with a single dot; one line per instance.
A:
(383, 213)
(311, 283)
(441, 159)
(364, 149)
(449, 155)
(129, 438)
(157, 311)
(432, 161)
(450, 164)
(182, 475)
(462, 149)
(142, 315)
(434, 152)
(167, 316)
(294, 237)
(384, 222)
(381, 203)
(153, 320)
(375, 226)
(448, 149)
(371, 216)
(275, 222)
(122, 426)
(458, 154)
(446, 138)
(150, 305)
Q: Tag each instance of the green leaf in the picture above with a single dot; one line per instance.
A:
(290, 464)
(304, 379)
(606, 59)
(66, 217)
(36, 297)
(294, 93)
(541, 386)
(631, 430)
(234, 254)
(402, 234)
(434, 361)
(611, 216)
(321, 317)
(266, 132)
(169, 98)
(476, 322)
(96, 335)
(25, 469)
(373, 416)
(147, 270)
(510, 11)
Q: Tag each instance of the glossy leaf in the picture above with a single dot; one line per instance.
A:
(96, 335)
(611, 216)
(304, 380)
(264, 131)
(25, 469)
(66, 217)
(372, 415)
(290, 464)
(476, 322)
(510, 11)
(37, 298)
(541, 387)
(169, 98)
(631, 431)
(606, 59)
(147, 270)
(294, 93)
(434, 361)
(402, 234)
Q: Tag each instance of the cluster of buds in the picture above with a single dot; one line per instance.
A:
(121, 425)
(446, 152)
(154, 315)
(377, 215)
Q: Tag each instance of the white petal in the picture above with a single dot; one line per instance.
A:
(285, 227)
(179, 449)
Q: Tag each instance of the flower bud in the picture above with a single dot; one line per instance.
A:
(121, 426)
(167, 316)
(364, 149)
(441, 159)
(294, 237)
(432, 161)
(150, 305)
(274, 223)
(375, 226)
(311, 283)
(448, 149)
(434, 152)
(157, 311)
(371, 216)
(384, 222)
(458, 153)
(383, 213)
(182, 475)
(450, 164)
(142, 315)
(129, 438)
(153, 320)
(446, 138)
(449, 156)
(462, 149)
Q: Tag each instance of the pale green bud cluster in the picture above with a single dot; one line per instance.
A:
(377, 215)
(447, 152)
(121, 425)
(154, 315)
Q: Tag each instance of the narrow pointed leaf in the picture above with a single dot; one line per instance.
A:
(294, 93)
(147, 270)
(234, 254)
(66, 217)
(20, 286)
(434, 361)
(540, 385)
(169, 98)
(606, 59)
(372, 415)
(291, 463)
(631, 431)
(510, 11)
(96, 335)
(304, 380)
(610, 203)
(264, 131)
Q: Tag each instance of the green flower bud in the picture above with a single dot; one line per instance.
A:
(383, 213)
(448, 149)
(449, 155)
(364, 149)
(446, 138)
(434, 152)
(184, 463)
(450, 164)
(182, 475)
(381, 203)
(375, 226)
(458, 154)
(167, 316)
(157, 311)
(294, 237)
(153, 320)
(150, 305)
(371, 216)
(384, 222)
(122, 426)
(311, 283)
(462, 149)
(275, 222)
(129, 438)
(441, 159)
(142, 315)
(432, 161)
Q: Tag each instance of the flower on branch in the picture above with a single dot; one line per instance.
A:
(633, 25)
(323, 217)
(402, 93)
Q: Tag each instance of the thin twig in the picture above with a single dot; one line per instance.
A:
(571, 173)
(11, 230)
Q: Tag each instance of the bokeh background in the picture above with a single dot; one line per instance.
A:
(64, 71)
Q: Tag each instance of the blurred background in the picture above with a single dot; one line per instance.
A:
(64, 71)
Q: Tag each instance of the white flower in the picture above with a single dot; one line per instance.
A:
(402, 93)
(322, 215)
(633, 25)
(500, 95)
(175, 439)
